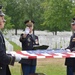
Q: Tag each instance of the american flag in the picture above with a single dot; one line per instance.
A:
(37, 54)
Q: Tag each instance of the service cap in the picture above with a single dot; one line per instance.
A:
(29, 23)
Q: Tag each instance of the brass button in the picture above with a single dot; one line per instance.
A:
(0, 67)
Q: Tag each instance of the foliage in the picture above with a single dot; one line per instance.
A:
(57, 15)
(8, 24)
(51, 15)
(73, 8)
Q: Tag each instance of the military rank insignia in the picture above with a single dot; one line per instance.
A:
(29, 39)
(73, 40)
(36, 41)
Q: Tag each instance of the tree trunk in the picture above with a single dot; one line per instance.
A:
(15, 31)
(55, 32)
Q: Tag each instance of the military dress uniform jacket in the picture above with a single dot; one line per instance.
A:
(4, 58)
(71, 61)
(27, 44)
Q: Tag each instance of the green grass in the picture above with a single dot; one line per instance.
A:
(16, 47)
(49, 66)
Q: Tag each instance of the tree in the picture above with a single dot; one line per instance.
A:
(57, 15)
(8, 24)
(52, 15)
(73, 8)
(21, 10)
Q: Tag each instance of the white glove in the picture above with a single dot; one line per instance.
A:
(68, 50)
(27, 30)
(17, 58)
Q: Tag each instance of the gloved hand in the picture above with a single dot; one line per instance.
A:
(17, 58)
(68, 50)
(27, 30)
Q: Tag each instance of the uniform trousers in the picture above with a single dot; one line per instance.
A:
(28, 69)
(69, 70)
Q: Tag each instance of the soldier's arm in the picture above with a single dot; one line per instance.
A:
(22, 37)
(71, 44)
(37, 40)
(4, 58)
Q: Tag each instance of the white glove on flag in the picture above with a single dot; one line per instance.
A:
(68, 50)
(17, 58)
(27, 30)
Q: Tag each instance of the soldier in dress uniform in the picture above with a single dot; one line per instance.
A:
(70, 62)
(5, 59)
(28, 40)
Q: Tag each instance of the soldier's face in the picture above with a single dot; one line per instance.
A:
(73, 27)
(31, 28)
(1, 22)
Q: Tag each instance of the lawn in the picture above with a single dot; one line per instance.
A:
(48, 66)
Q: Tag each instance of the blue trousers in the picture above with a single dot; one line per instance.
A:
(28, 69)
(69, 70)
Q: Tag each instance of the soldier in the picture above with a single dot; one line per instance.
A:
(70, 62)
(5, 59)
(28, 40)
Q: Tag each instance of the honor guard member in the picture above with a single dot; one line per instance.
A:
(28, 40)
(70, 62)
(5, 59)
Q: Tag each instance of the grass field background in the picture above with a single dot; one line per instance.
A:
(49, 66)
